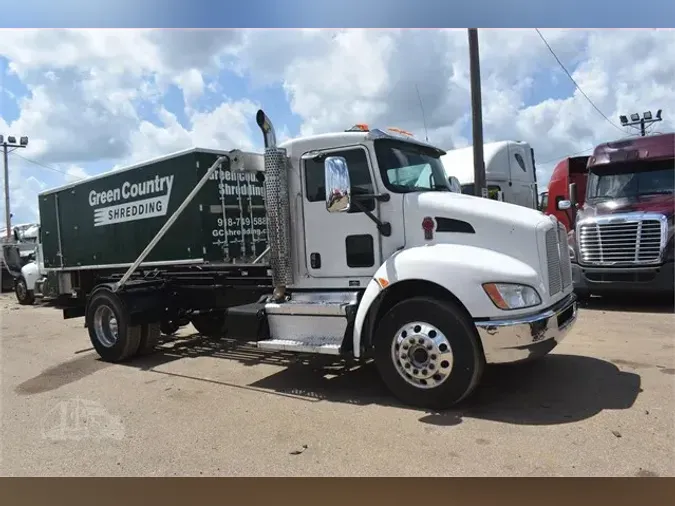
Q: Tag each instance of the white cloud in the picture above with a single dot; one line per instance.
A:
(75, 173)
(90, 90)
(192, 84)
(225, 127)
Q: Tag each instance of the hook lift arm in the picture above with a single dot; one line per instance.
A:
(233, 160)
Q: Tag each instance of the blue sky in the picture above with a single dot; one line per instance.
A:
(346, 13)
(237, 88)
(59, 89)
(549, 83)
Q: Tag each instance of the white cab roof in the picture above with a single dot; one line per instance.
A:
(459, 162)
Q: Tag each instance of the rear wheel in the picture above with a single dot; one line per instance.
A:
(25, 296)
(109, 330)
(169, 327)
(150, 335)
(209, 324)
(428, 353)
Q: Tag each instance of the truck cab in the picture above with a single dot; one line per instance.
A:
(570, 171)
(622, 238)
(402, 269)
(18, 255)
(510, 172)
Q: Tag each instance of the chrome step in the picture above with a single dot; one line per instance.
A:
(292, 308)
(313, 304)
(315, 344)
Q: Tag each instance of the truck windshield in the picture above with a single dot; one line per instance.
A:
(631, 180)
(407, 167)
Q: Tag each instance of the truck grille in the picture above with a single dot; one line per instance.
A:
(631, 240)
(566, 263)
(558, 260)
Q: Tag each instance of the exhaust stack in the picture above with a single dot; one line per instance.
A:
(278, 208)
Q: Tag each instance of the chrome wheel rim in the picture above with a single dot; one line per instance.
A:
(422, 355)
(105, 326)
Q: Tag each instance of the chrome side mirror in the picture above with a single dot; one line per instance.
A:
(573, 193)
(338, 184)
(564, 205)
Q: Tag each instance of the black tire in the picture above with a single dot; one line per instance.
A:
(25, 296)
(150, 335)
(468, 360)
(127, 342)
(169, 327)
(209, 324)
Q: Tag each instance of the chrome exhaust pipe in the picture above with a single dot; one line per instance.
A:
(277, 205)
(267, 128)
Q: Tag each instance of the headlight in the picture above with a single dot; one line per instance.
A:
(512, 296)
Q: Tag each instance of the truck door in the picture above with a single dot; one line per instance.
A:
(340, 245)
(522, 177)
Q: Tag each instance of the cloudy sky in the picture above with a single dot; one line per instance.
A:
(91, 100)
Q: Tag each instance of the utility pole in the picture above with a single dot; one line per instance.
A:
(6, 144)
(477, 116)
(646, 118)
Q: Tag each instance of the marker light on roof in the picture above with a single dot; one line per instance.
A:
(400, 131)
(359, 127)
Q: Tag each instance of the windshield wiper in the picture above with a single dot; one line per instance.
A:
(657, 192)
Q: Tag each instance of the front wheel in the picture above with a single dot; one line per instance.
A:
(25, 296)
(428, 354)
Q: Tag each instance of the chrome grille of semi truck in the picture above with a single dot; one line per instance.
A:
(565, 263)
(553, 260)
(622, 239)
(558, 260)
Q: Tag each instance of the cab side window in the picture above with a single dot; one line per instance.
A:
(520, 161)
(359, 174)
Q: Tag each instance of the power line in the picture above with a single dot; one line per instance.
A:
(34, 162)
(575, 83)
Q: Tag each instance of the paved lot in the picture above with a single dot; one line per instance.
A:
(602, 404)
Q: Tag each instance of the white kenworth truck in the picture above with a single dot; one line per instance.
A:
(370, 256)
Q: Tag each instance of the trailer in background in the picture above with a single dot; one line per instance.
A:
(510, 171)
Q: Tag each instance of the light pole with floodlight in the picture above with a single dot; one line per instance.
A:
(10, 143)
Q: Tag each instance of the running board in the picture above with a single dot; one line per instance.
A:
(313, 304)
(317, 344)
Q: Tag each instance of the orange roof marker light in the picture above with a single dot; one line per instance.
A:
(359, 127)
(400, 131)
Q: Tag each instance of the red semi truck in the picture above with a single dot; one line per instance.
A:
(619, 208)
(571, 170)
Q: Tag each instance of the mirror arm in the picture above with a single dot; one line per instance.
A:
(383, 227)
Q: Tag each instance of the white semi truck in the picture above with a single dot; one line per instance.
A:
(510, 171)
(365, 259)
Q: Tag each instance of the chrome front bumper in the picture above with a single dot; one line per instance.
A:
(527, 337)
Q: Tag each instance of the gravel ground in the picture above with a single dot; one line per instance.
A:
(602, 404)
